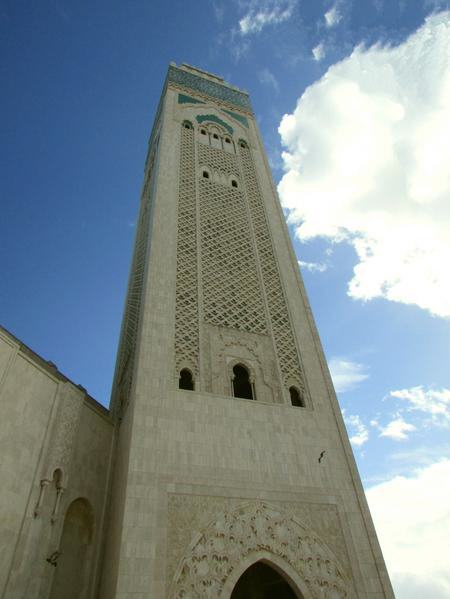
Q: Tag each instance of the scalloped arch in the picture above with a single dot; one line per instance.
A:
(215, 556)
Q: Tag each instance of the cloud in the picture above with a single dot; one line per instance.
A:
(268, 78)
(346, 374)
(332, 17)
(412, 518)
(367, 163)
(357, 430)
(434, 402)
(397, 429)
(378, 4)
(318, 52)
(313, 266)
(261, 13)
(219, 12)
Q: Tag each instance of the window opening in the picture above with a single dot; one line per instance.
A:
(186, 381)
(227, 140)
(202, 131)
(187, 125)
(242, 143)
(234, 183)
(296, 399)
(242, 387)
(215, 136)
(205, 175)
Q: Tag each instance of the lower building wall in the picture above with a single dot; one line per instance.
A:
(213, 483)
(56, 445)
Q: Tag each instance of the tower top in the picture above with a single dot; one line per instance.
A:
(205, 83)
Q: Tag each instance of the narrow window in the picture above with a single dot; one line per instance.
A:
(205, 175)
(242, 386)
(186, 381)
(242, 143)
(203, 131)
(234, 183)
(187, 125)
(296, 399)
(215, 136)
(227, 140)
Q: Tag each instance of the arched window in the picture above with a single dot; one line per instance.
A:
(187, 124)
(186, 381)
(205, 175)
(227, 140)
(203, 131)
(234, 183)
(296, 398)
(215, 136)
(242, 386)
(243, 144)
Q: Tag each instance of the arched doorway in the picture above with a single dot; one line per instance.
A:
(261, 581)
(71, 578)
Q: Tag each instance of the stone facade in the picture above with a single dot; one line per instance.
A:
(55, 447)
(176, 492)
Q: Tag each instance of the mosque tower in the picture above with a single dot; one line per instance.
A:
(233, 474)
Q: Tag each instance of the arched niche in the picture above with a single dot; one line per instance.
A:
(72, 565)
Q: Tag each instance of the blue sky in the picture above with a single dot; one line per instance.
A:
(352, 101)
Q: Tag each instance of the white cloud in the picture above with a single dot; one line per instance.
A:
(261, 13)
(313, 266)
(357, 430)
(397, 429)
(378, 4)
(434, 402)
(412, 518)
(318, 52)
(332, 17)
(367, 162)
(219, 11)
(268, 78)
(346, 374)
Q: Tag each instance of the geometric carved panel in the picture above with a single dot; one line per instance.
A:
(236, 535)
(186, 311)
(276, 301)
(232, 295)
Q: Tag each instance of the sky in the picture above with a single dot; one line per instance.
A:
(352, 98)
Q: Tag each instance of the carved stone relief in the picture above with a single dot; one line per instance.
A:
(215, 549)
(228, 347)
(66, 428)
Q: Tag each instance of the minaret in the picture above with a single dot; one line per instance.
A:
(234, 473)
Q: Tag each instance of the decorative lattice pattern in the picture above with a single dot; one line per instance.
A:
(186, 314)
(135, 288)
(217, 160)
(232, 294)
(276, 301)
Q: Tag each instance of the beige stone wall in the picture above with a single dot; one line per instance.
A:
(187, 458)
(55, 447)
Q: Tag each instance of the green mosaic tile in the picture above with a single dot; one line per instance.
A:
(238, 117)
(182, 99)
(211, 88)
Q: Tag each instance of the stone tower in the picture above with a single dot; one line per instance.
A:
(233, 471)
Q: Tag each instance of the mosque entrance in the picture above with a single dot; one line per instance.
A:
(260, 581)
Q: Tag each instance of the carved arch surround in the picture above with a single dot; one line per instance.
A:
(256, 531)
